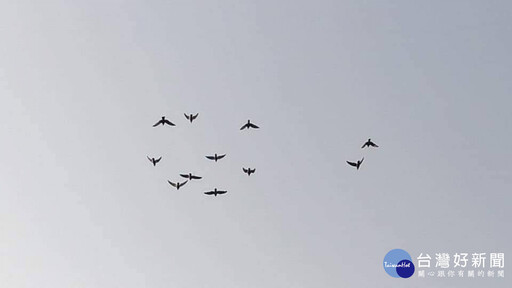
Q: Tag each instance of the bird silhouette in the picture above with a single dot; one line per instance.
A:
(154, 161)
(216, 157)
(190, 176)
(163, 121)
(369, 143)
(177, 184)
(249, 171)
(356, 164)
(215, 192)
(191, 117)
(249, 125)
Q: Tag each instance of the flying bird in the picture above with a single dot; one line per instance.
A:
(191, 117)
(356, 164)
(369, 143)
(249, 125)
(177, 184)
(154, 161)
(216, 157)
(249, 171)
(215, 192)
(163, 121)
(190, 176)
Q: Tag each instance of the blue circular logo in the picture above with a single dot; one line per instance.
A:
(398, 264)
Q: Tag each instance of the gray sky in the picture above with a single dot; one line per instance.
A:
(82, 83)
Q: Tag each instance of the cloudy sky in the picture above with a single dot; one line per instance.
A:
(81, 84)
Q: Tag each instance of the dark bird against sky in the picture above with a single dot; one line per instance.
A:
(190, 176)
(249, 125)
(191, 117)
(369, 143)
(216, 157)
(356, 164)
(249, 171)
(177, 184)
(215, 192)
(163, 121)
(154, 161)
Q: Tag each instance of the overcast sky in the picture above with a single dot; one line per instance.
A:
(82, 82)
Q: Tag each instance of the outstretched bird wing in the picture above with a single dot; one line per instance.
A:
(221, 156)
(169, 122)
(181, 184)
(158, 123)
(362, 160)
(172, 184)
(184, 175)
(245, 126)
(194, 116)
(211, 157)
(149, 159)
(209, 193)
(253, 170)
(245, 170)
(364, 145)
(186, 116)
(158, 160)
(352, 163)
(195, 177)
(221, 192)
(373, 144)
(253, 126)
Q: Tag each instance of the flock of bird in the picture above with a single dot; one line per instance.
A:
(357, 164)
(215, 157)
